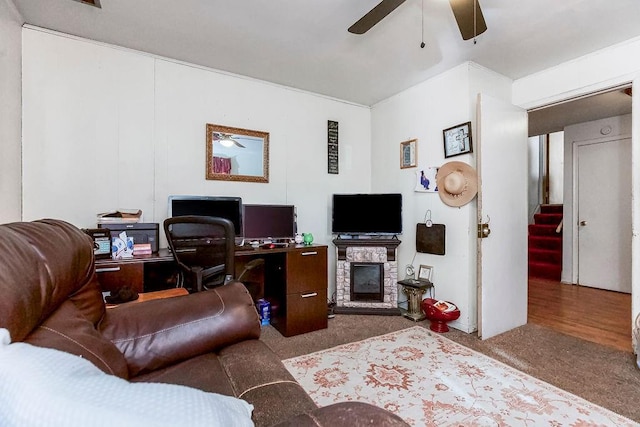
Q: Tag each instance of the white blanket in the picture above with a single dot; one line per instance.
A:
(40, 386)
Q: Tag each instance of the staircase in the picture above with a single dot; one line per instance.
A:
(545, 244)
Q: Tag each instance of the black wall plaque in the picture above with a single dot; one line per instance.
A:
(332, 147)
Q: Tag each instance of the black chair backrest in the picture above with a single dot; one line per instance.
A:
(204, 247)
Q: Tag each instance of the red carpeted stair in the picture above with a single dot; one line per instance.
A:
(545, 245)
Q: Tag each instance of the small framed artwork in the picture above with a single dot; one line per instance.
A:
(457, 140)
(409, 154)
(426, 179)
(425, 272)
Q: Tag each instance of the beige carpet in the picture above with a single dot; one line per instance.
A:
(429, 380)
(594, 372)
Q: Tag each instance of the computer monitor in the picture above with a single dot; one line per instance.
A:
(269, 222)
(219, 206)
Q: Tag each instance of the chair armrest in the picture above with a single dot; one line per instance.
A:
(158, 333)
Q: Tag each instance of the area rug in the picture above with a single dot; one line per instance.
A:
(429, 380)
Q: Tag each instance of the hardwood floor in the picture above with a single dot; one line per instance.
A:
(595, 315)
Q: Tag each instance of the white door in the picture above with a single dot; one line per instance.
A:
(501, 154)
(604, 214)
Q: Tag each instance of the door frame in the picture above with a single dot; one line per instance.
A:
(632, 79)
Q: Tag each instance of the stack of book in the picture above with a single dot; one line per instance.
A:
(120, 216)
(141, 249)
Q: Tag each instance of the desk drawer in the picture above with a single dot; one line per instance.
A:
(307, 270)
(306, 312)
(113, 276)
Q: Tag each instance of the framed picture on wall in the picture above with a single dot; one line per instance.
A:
(409, 154)
(457, 140)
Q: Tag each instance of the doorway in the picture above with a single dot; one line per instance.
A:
(555, 118)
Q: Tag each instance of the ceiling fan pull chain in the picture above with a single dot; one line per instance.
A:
(422, 40)
(475, 21)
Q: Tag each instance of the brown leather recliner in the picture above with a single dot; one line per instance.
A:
(49, 297)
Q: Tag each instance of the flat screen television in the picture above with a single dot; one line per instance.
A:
(220, 206)
(262, 222)
(367, 214)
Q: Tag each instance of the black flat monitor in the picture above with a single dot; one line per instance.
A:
(367, 214)
(220, 206)
(264, 222)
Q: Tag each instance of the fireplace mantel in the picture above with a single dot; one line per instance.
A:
(390, 244)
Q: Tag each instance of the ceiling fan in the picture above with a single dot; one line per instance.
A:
(467, 13)
(226, 140)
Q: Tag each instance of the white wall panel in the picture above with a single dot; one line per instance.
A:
(596, 71)
(422, 112)
(10, 112)
(189, 97)
(87, 129)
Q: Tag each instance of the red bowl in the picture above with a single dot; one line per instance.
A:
(438, 317)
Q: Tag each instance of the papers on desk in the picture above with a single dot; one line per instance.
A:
(120, 216)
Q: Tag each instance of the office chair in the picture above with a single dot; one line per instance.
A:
(204, 248)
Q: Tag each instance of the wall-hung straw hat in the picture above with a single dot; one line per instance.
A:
(457, 183)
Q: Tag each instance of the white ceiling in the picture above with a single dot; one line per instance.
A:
(305, 43)
(602, 105)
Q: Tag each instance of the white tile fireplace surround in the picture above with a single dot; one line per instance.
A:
(355, 253)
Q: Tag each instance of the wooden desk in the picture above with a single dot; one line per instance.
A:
(138, 272)
(293, 279)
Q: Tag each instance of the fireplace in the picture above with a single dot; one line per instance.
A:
(367, 281)
(366, 276)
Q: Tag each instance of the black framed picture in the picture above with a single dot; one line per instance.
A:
(457, 140)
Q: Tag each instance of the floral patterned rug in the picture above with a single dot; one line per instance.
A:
(429, 380)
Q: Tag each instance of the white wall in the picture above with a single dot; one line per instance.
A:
(422, 112)
(87, 129)
(108, 128)
(596, 71)
(556, 168)
(534, 150)
(497, 86)
(10, 112)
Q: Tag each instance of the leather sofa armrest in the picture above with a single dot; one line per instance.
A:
(346, 414)
(158, 333)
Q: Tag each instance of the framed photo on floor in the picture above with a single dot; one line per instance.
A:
(457, 140)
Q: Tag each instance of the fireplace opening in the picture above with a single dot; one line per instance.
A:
(367, 281)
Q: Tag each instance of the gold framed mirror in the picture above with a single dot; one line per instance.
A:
(235, 154)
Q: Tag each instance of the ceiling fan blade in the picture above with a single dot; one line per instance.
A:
(463, 10)
(374, 16)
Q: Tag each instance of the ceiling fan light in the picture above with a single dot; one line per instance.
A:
(227, 141)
